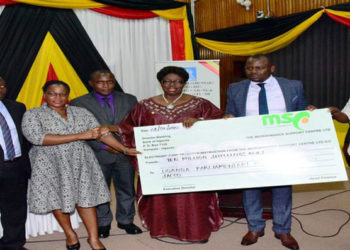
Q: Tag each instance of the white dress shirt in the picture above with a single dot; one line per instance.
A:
(274, 96)
(14, 133)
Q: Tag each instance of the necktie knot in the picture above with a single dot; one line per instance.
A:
(106, 100)
(261, 85)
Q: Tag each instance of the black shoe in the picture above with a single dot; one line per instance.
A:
(88, 241)
(76, 246)
(203, 241)
(130, 228)
(103, 231)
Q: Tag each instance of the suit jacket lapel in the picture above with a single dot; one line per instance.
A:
(287, 94)
(97, 105)
(117, 106)
(243, 97)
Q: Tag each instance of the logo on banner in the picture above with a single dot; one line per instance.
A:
(297, 119)
(192, 71)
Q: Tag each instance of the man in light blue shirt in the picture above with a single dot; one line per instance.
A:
(14, 173)
(262, 94)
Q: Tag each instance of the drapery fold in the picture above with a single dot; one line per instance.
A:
(268, 35)
(131, 52)
(177, 40)
(67, 33)
(49, 54)
(143, 4)
(121, 13)
(85, 4)
(65, 4)
(181, 14)
(6, 2)
(265, 29)
(168, 9)
(261, 47)
(184, 49)
(32, 24)
(16, 56)
(342, 17)
(75, 43)
(320, 59)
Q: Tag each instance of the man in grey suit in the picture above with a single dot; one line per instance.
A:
(261, 94)
(110, 107)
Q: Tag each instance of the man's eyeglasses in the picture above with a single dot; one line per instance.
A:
(177, 82)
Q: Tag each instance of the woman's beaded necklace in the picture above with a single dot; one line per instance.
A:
(170, 105)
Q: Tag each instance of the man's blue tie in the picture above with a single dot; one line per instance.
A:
(6, 133)
(263, 108)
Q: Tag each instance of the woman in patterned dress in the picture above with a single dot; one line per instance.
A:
(185, 216)
(65, 172)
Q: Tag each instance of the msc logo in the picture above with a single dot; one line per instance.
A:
(296, 119)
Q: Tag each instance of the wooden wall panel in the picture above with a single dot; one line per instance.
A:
(217, 14)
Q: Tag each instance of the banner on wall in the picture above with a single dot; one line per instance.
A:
(204, 80)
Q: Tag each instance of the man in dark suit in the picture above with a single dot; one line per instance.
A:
(110, 107)
(264, 94)
(14, 173)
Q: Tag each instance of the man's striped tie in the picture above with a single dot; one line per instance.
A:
(7, 138)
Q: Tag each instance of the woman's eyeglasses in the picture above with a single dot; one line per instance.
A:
(177, 82)
(53, 94)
